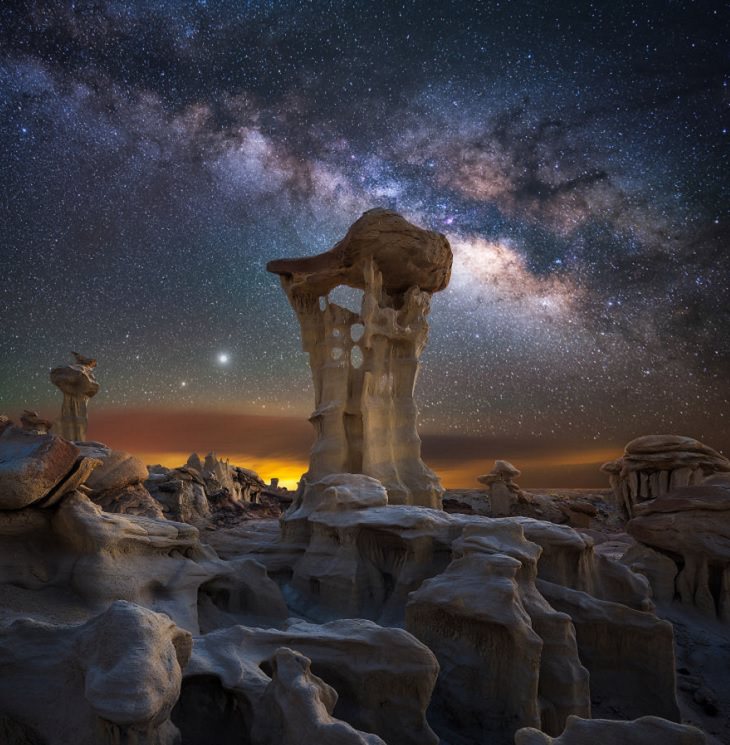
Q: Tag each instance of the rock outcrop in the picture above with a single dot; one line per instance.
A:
(199, 490)
(640, 731)
(503, 492)
(653, 465)
(508, 660)
(297, 707)
(690, 527)
(384, 677)
(30, 421)
(364, 364)
(78, 559)
(38, 469)
(112, 679)
(78, 385)
(117, 484)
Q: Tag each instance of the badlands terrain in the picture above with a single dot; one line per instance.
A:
(198, 605)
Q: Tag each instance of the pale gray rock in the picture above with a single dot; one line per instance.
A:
(297, 707)
(77, 556)
(384, 677)
(642, 731)
(693, 523)
(112, 679)
(365, 414)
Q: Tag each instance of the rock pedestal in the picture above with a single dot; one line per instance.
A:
(655, 465)
(503, 491)
(78, 385)
(364, 364)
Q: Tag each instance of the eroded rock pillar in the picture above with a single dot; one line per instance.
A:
(78, 385)
(365, 365)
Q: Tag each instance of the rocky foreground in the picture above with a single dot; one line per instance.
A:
(350, 619)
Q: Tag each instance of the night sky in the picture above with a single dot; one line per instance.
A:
(155, 155)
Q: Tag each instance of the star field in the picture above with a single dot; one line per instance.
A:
(154, 156)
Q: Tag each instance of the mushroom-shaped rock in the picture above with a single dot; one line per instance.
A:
(78, 385)
(691, 527)
(656, 464)
(406, 256)
(364, 364)
(503, 491)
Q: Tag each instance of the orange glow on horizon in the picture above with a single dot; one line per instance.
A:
(287, 471)
(453, 475)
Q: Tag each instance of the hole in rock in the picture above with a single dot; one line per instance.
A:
(267, 668)
(714, 583)
(347, 297)
(336, 333)
(356, 358)
(356, 331)
(323, 303)
(337, 353)
(207, 713)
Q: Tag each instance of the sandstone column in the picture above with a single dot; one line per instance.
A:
(78, 385)
(365, 415)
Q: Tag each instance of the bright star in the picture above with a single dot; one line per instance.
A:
(223, 358)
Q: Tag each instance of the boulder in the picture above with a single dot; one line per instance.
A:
(112, 679)
(34, 468)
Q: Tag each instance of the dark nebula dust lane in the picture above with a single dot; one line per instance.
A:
(154, 156)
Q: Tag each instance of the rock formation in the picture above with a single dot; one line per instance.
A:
(31, 422)
(384, 678)
(117, 484)
(685, 537)
(503, 491)
(655, 464)
(38, 469)
(197, 490)
(113, 679)
(364, 365)
(78, 385)
(642, 731)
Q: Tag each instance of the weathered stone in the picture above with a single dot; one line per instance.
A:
(32, 466)
(653, 465)
(365, 414)
(78, 385)
(642, 731)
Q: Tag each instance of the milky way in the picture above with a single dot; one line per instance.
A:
(156, 155)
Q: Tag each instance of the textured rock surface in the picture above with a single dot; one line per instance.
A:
(691, 527)
(31, 422)
(501, 487)
(117, 484)
(642, 731)
(365, 414)
(199, 490)
(384, 677)
(653, 465)
(113, 679)
(78, 385)
(297, 707)
(78, 558)
(37, 469)
(508, 660)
